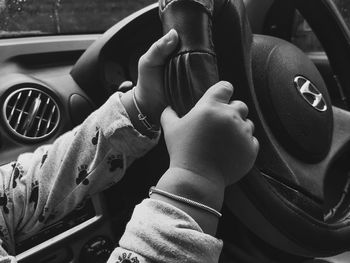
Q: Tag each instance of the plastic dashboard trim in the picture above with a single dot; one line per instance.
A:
(29, 45)
(96, 200)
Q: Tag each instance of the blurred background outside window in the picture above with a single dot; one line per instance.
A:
(51, 17)
(303, 36)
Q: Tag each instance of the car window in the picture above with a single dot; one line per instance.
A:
(47, 17)
(304, 37)
(344, 9)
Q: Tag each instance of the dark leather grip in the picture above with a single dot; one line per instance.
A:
(193, 68)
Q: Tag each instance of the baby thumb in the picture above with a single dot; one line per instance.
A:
(158, 53)
(221, 92)
(168, 118)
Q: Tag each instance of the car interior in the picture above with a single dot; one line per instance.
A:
(294, 204)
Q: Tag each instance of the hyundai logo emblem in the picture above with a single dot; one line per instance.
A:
(310, 93)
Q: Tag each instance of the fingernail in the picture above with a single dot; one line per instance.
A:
(170, 36)
(226, 84)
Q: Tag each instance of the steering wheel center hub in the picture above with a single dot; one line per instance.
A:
(310, 93)
(293, 98)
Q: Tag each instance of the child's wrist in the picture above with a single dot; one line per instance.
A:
(194, 187)
(148, 105)
(205, 169)
(137, 118)
(197, 187)
(143, 116)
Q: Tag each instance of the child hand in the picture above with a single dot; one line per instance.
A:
(214, 139)
(149, 90)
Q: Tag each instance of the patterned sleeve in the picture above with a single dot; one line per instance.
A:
(161, 232)
(42, 186)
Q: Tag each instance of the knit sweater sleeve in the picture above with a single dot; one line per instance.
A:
(160, 232)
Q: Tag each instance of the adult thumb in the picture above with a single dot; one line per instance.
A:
(221, 92)
(168, 117)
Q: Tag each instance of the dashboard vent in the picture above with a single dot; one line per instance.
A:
(31, 114)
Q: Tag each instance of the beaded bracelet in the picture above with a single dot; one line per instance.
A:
(184, 200)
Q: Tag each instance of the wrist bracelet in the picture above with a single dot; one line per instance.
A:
(184, 200)
(143, 118)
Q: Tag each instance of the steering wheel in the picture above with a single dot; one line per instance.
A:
(296, 197)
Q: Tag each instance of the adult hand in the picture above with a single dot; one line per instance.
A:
(149, 90)
(214, 139)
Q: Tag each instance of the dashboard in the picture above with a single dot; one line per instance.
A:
(36, 70)
(79, 83)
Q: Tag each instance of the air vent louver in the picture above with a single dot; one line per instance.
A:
(31, 113)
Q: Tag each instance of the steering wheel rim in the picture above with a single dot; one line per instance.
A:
(255, 202)
(286, 189)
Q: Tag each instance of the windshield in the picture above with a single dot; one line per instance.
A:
(304, 37)
(51, 17)
(344, 9)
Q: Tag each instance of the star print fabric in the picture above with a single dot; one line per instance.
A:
(41, 187)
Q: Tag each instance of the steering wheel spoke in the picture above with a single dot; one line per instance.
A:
(337, 176)
(341, 133)
(297, 186)
(309, 179)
